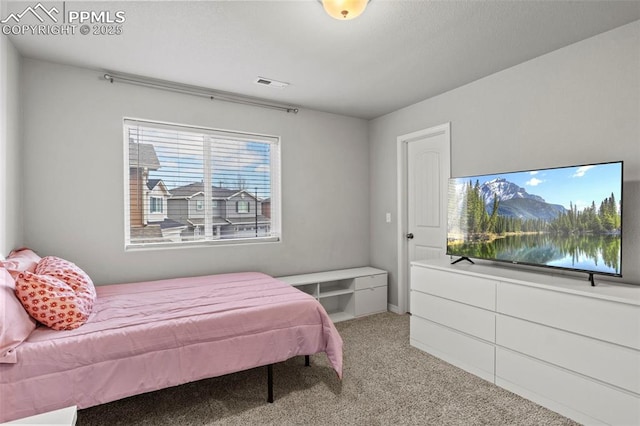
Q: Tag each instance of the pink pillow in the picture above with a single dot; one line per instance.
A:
(16, 324)
(21, 260)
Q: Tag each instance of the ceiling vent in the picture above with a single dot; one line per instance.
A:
(271, 83)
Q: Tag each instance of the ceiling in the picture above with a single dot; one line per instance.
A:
(397, 53)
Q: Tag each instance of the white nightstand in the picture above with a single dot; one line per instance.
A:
(65, 416)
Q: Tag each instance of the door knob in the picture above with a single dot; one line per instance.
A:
(410, 236)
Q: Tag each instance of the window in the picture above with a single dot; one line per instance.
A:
(155, 205)
(210, 167)
(242, 206)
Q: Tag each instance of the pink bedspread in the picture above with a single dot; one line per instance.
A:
(152, 335)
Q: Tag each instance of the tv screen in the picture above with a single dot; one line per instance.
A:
(565, 217)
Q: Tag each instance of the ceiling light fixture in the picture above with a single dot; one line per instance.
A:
(344, 10)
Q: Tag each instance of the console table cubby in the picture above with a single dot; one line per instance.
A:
(553, 339)
(345, 293)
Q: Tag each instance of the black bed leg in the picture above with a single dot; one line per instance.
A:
(270, 383)
(307, 362)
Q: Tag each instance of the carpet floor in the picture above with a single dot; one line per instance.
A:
(386, 382)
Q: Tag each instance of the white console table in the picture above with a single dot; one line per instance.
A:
(555, 340)
(345, 293)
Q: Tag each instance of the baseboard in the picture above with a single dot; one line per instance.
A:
(393, 308)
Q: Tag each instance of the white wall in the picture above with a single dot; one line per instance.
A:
(74, 188)
(11, 222)
(577, 105)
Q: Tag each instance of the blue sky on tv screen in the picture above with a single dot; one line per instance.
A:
(580, 185)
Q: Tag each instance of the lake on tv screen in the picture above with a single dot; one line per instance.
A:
(567, 217)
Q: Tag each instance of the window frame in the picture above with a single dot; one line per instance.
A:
(244, 203)
(153, 200)
(275, 173)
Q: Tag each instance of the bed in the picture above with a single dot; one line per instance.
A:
(152, 335)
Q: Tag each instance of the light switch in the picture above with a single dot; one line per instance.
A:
(388, 217)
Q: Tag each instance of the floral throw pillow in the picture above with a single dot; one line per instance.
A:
(70, 274)
(59, 294)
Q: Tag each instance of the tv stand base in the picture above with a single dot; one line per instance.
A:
(461, 259)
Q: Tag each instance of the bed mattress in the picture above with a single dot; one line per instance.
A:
(152, 335)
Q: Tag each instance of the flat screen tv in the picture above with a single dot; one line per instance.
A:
(566, 217)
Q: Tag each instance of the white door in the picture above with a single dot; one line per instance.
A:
(427, 173)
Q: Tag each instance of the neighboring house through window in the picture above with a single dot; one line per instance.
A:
(168, 202)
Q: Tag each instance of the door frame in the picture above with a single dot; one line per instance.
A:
(402, 207)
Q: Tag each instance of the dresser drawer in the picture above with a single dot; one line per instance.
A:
(590, 401)
(468, 319)
(468, 289)
(603, 319)
(472, 355)
(371, 281)
(591, 357)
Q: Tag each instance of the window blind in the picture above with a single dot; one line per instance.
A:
(189, 185)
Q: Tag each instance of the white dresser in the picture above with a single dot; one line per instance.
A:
(570, 347)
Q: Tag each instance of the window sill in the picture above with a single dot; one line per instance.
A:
(200, 244)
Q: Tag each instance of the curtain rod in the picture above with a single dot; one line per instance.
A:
(194, 90)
